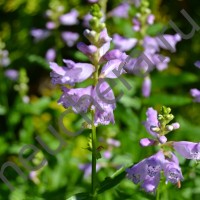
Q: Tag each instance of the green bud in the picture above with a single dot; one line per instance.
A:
(169, 117)
(169, 128)
(160, 117)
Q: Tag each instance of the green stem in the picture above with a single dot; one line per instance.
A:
(94, 159)
(158, 193)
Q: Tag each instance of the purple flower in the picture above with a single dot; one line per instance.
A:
(172, 170)
(197, 64)
(40, 34)
(100, 98)
(161, 62)
(189, 150)
(79, 99)
(50, 25)
(4, 59)
(12, 74)
(168, 42)
(122, 43)
(146, 87)
(88, 50)
(87, 168)
(50, 55)
(104, 103)
(86, 20)
(150, 19)
(69, 18)
(73, 73)
(120, 11)
(70, 38)
(113, 142)
(147, 172)
(112, 69)
(136, 2)
(150, 45)
(93, 1)
(196, 94)
(145, 142)
(136, 24)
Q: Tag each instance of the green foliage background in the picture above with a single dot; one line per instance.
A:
(21, 122)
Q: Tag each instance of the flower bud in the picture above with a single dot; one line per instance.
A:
(169, 128)
(145, 142)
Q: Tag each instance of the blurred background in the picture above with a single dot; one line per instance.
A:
(34, 33)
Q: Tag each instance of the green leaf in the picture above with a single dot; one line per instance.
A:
(113, 180)
(80, 196)
(168, 100)
(39, 60)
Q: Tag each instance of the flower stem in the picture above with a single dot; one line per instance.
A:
(94, 159)
(158, 193)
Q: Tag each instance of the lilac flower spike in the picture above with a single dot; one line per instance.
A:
(196, 94)
(73, 73)
(189, 150)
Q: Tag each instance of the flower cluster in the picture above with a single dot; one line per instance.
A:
(99, 96)
(149, 57)
(148, 171)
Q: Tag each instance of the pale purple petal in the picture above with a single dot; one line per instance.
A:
(124, 44)
(196, 94)
(150, 45)
(113, 142)
(50, 55)
(175, 125)
(136, 2)
(103, 49)
(136, 24)
(86, 49)
(104, 37)
(12, 74)
(172, 170)
(161, 62)
(150, 19)
(197, 64)
(50, 25)
(120, 11)
(145, 142)
(73, 73)
(93, 1)
(86, 20)
(70, 38)
(146, 87)
(168, 42)
(189, 150)
(151, 121)
(69, 18)
(104, 103)
(112, 69)
(150, 184)
(40, 34)
(114, 54)
(79, 99)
